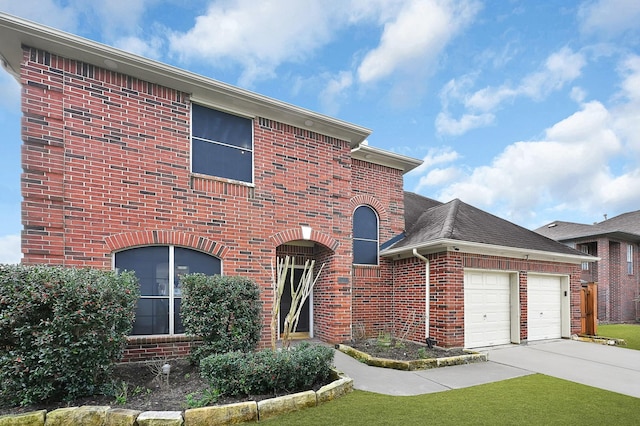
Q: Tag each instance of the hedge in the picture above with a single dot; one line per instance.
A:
(224, 311)
(268, 372)
(61, 330)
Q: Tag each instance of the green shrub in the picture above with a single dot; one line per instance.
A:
(224, 311)
(267, 371)
(61, 330)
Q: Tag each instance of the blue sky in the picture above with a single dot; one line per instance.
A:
(529, 110)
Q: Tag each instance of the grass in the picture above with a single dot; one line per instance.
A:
(629, 332)
(532, 400)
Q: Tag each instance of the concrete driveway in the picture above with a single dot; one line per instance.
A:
(606, 367)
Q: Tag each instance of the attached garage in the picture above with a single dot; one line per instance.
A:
(545, 310)
(488, 313)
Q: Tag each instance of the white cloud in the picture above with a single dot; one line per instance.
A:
(47, 12)
(334, 91)
(149, 48)
(10, 249)
(438, 177)
(257, 35)
(609, 18)
(559, 68)
(9, 92)
(415, 36)
(447, 125)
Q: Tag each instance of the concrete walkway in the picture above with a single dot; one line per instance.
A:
(606, 367)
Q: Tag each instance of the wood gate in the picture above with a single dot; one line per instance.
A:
(589, 309)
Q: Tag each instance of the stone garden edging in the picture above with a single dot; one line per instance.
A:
(418, 364)
(214, 415)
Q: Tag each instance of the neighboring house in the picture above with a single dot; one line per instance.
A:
(615, 241)
(133, 164)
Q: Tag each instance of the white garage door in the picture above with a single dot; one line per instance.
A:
(544, 307)
(487, 318)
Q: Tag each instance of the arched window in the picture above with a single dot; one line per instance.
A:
(158, 268)
(365, 236)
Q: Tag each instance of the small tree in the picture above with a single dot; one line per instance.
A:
(299, 294)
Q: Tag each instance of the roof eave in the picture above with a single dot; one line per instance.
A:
(441, 245)
(16, 32)
(385, 158)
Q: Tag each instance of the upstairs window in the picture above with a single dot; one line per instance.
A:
(158, 269)
(221, 144)
(365, 236)
(629, 259)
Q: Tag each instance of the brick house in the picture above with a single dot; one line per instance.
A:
(132, 164)
(615, 242)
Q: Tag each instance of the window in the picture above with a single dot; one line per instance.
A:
(629, 259)
(158, 268)
(585, 249)
(365, 236)
(221, 144)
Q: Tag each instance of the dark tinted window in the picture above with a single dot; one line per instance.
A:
(365, 236)
(154, 271)
(222, 144)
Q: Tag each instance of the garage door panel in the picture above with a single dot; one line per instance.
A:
(487, 309)
(544, 307)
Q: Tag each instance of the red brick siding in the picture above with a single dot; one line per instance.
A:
(446, 309)
(106, 160)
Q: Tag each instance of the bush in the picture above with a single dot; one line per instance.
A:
(224, 311)
(268, 372)
(61, 330)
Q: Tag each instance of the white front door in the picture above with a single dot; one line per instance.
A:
(487, 314)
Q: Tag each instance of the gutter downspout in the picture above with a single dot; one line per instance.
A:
(427, 295)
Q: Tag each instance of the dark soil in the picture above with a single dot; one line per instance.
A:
(137, 387)
(401, 350)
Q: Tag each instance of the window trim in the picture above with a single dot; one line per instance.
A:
(377, 240)
(171, 297)
(630, 263)
(251, 119)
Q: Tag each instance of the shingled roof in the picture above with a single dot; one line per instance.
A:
(429, 222)
(625, 226)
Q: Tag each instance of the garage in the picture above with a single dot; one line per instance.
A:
(487, 308)
(544, 311)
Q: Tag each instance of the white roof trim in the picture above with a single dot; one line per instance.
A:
(441, 245)
(384, 158)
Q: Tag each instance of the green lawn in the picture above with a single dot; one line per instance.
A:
(629, 332)
(531, 400)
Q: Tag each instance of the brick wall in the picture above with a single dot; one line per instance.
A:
(446, 293)
(381, 188)
(106, 167)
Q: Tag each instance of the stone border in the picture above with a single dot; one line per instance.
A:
(216, 415)
(611, 341)
(418, 364)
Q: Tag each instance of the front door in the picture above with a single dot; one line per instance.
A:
(303, 328)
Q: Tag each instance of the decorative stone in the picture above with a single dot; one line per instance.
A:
(121, 417)
(286, 404)
(160, 418)
(222, 415)
(71, 416)
(34, 418)
(334, 390)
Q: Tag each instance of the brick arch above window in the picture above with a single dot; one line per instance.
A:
(128, 240)
(295, 234)
(369, 200)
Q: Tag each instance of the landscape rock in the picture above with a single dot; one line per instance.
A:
(286, 404)
(222, 415)
(34, 418)
(160, 418)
